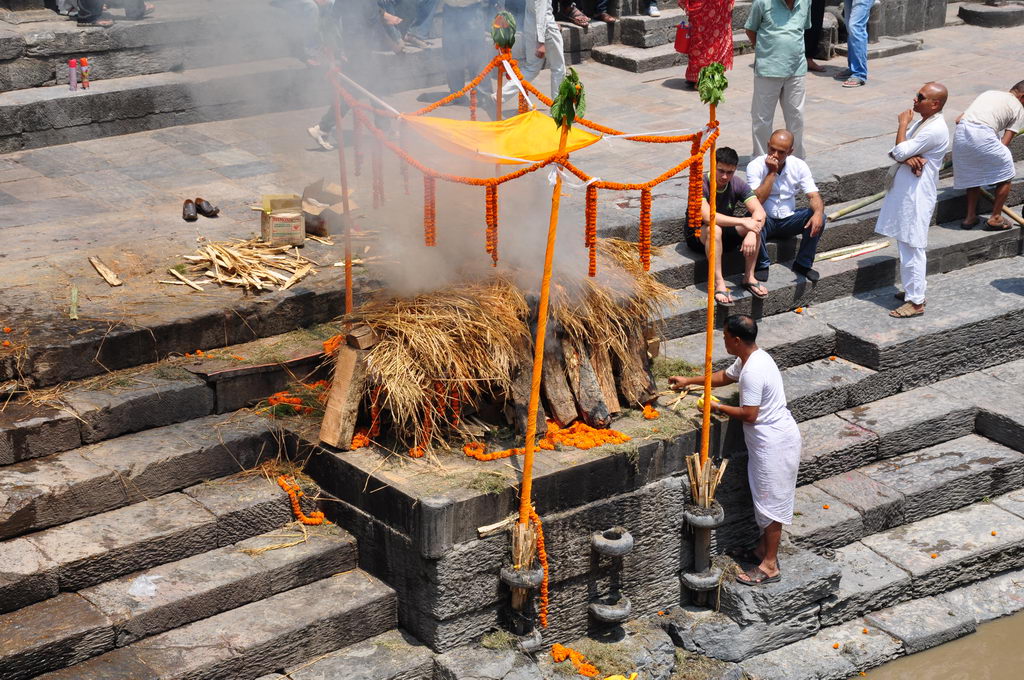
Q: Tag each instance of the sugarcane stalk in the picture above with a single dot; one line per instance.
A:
(862, 203)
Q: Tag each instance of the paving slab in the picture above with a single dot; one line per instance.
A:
(394, 655)
(989, 599)
(259, 637)
(949, 475)
(868, 582)
(476, 663)
(880, 506)
(1000, 410)
(151, 399)
(923, 623)
(26, 575)
(815, 527)
(819, 658)
(821, 387)
(247, 504)
(32, 432)
(963, 545)
(114, 473)
(831, 446)
(716, 635)
(913, 420)
(806, 579)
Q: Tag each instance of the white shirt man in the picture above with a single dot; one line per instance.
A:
(539, 40)
(907, 209)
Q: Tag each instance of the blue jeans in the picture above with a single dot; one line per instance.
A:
(857, 13)
(424, 19)
(784, 227)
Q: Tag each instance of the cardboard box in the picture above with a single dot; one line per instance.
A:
(323, 209)
(281, 220)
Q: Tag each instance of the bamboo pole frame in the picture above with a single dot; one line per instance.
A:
(705, 434)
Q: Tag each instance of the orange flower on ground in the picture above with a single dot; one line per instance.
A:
(6, 343)
(799, 310)
(560, 653)
(7, 329)
(651, 413)
(360, 440)
(835, 645)
(416, 452)
(935, 556)
(294, 494)
(331, 345)
(993, 533)
(825, 507)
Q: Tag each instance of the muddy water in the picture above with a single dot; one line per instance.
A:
(995, 652)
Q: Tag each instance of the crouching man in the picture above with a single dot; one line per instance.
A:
(771, 435)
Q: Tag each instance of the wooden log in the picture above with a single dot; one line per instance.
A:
(108, 274)
(601, 360)
(633, 373)
(361, 337)
(557, 394)
(583, 380)
(520, 401)
(347, 390)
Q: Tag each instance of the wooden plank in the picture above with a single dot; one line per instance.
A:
(556, 387)
(633, 374)
(520, 401)
(361, 337)
(347, 390)
(602, 364)
(590, 398)
(106, 272)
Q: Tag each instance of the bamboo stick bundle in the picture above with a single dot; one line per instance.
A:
(251, 264)
(524, 549)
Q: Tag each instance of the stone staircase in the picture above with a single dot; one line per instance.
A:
(140, 537)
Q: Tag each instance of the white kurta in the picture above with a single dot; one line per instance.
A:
(907, 209)
(773, 440)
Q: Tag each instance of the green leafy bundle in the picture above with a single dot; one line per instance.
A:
(503, 30)
(712, 83)
(571, 102)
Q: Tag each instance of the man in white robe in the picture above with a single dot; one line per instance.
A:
(981, 154)
(907, 209)
(771, 435)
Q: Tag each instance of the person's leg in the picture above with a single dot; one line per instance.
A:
(793, 225)
(555, 56)
(762, 111)
(425, 11)
(1000, 194)
(452, 48)
(971, 218)
(768, 231)
(89, 11)
(721, 288)
(857, 14)
(771, 538)
(913, 273)
(750, 248)
(793, 96)
(812, 36)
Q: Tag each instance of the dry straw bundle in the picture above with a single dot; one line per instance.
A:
(454, 345)
(250, 263)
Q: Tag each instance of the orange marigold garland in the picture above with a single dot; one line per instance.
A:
(651, 413)
(332, 344)
(524, 105)
(578, 435)
(590, 237)
(294, 492)
(492, 222)
(542, 557)
(360, 440)
(696, 191)
(645, 229)
(560, 653)
(429, 210)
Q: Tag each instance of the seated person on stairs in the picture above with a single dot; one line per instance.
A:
(776, 177)
(732, 231)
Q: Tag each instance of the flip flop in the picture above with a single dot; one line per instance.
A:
(750, 289)
(724, 303)
(1001, 225)
(906, 311)
(756, 577)
(970, 225)
(573, 14)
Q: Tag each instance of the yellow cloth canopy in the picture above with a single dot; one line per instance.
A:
(530, 136)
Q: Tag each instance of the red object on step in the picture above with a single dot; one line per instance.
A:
(683, 38)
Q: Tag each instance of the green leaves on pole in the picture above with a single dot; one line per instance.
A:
(712, 83)
(571, 102)
(503, 30)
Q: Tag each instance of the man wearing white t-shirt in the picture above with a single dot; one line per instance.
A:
(771, 435)
(776, 178)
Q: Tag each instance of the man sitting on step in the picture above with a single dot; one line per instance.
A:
(771, 435)
(777, 176)
(732, 231)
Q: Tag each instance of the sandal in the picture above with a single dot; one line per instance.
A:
(572, 13)
(1001, 225)
(756, 577)
(724, 303)
(969, 225)
(754, 288)
(906, 310)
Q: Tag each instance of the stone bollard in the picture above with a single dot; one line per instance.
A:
(704, 578)
(616, 608)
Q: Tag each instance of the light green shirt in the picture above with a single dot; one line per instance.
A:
(779, 52)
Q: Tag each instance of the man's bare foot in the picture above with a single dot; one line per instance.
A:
(814, 66)
(724, 298)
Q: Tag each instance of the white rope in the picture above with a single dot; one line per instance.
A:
(568, 178)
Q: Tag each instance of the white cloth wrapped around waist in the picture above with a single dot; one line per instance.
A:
(773, 460)
(979, 157)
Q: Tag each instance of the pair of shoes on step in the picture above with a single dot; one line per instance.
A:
(191, 210)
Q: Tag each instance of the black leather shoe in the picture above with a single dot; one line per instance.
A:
(761, 274)
(808, 273)
(188, 211)
(205, 208)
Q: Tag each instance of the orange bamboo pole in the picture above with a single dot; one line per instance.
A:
(705, 433)
(525, 505)
(344, 202)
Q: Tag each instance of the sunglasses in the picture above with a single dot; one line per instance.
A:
(920, 97)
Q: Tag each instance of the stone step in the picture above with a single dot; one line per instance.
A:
(45, 116)
(644, 59)
(905, 422)
(92, 479)
(995, 392)
(109, 545)
(997, 16)
(72, 627)
(257, 638)
(887, 46)
(836, 511)
(950, 248)
(394, 655)
(642, 30)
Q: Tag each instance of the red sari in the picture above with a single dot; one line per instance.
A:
(710, 34)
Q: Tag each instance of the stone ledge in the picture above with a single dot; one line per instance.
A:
(1004, 16)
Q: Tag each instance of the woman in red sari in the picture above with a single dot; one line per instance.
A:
(710, 34)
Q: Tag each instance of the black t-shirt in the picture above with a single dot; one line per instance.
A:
(730, 199)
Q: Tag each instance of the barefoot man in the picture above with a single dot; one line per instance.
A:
(907, 209)
(772, 438)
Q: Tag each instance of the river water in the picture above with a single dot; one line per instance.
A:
(994, 652)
